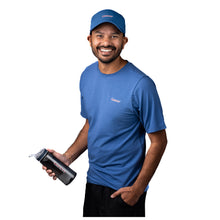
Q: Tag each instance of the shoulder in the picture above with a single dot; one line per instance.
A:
(143, 81)
(90, 68)
(93, 66)
(88, 71)
(133, 71)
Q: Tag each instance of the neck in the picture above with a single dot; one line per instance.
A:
(113, 67)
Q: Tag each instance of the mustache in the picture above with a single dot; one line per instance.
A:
(106, 47)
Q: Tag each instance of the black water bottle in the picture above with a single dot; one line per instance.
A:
(62, 171)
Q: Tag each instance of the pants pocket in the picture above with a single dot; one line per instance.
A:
(123, 202)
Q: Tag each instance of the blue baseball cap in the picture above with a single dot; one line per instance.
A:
(108, 16)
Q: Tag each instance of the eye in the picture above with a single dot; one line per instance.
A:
(114, 36)
(99, 36)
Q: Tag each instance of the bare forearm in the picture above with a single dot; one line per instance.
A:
(151, 163)
(79, 145)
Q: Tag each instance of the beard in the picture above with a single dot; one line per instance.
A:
(107, 59)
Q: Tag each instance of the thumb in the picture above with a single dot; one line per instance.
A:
(53, 152)
(50, 150)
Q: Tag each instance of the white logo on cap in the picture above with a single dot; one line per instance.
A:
(104, 16)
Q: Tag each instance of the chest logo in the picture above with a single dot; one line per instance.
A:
(115, 100)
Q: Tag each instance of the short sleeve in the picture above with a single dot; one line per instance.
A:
(147, 105)
(83, 109)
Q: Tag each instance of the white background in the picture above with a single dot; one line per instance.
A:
(43, 50)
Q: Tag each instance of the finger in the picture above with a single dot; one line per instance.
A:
(117, 193)
(120, 191)
(52, 174)
(49, 171)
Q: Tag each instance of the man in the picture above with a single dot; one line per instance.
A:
(120, 104)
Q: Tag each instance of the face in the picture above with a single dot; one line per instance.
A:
(107, 42)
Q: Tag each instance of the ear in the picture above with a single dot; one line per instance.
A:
(89, 38)
(125, 41)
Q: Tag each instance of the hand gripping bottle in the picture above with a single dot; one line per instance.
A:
(62, 171)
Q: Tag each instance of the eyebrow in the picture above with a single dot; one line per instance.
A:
(99, 32)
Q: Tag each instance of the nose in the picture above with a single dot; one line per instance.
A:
(106, 41)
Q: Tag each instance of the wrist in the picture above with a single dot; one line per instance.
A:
(67, 159)
(138, 188)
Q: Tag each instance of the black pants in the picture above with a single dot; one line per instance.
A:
(98, 203)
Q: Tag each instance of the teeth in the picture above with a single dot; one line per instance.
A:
(106, 50)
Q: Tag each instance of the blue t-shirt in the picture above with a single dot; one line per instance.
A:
(120, 107)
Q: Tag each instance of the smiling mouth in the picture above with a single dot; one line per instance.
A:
(106, 50)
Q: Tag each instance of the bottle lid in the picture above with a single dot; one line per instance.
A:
(40, 155)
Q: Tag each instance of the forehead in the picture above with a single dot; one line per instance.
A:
(106, 27)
